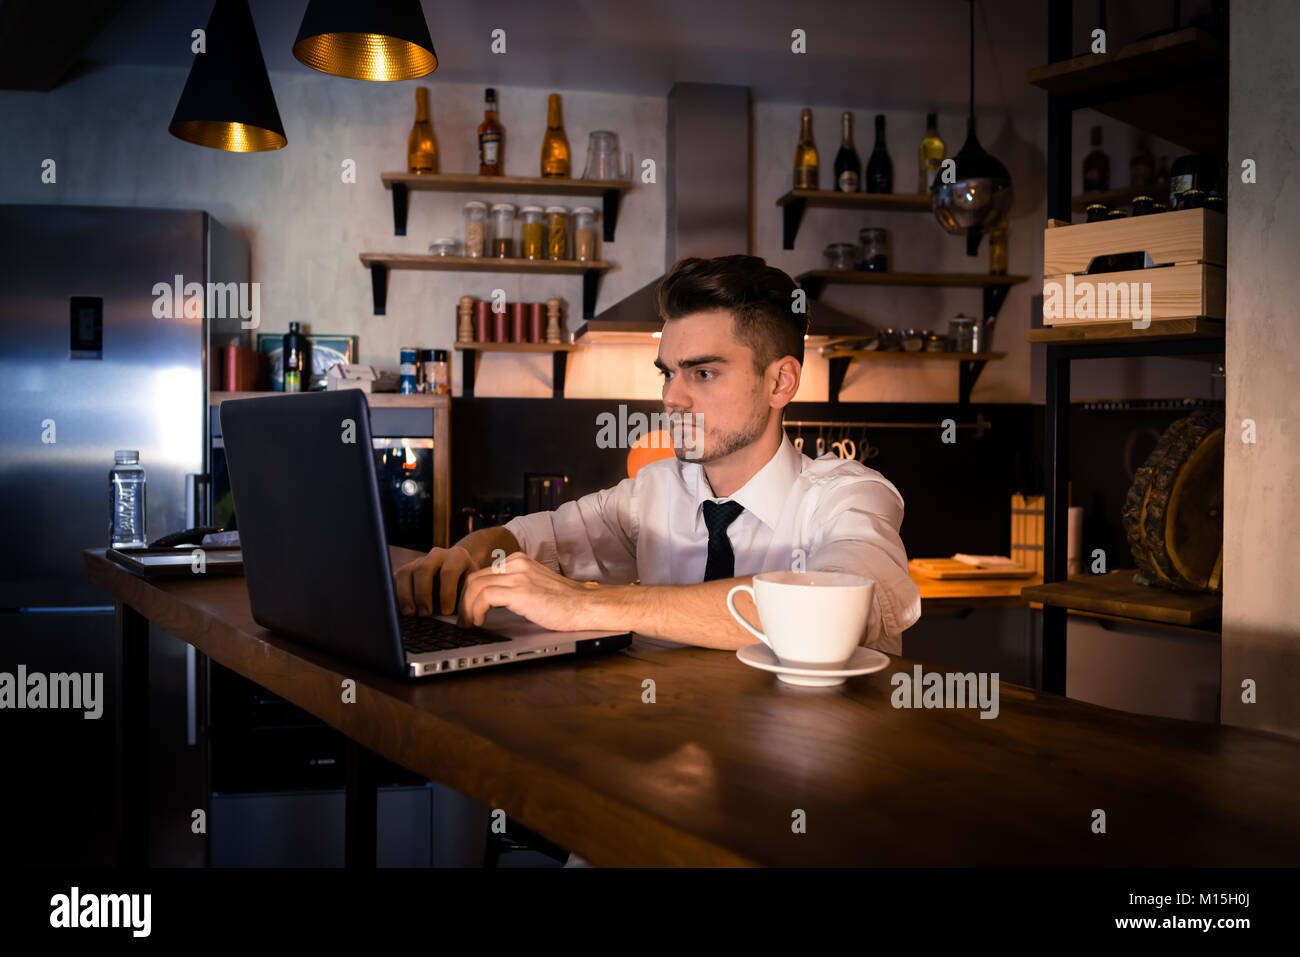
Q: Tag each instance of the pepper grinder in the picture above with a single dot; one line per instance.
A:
(552, 320)
(465, 328)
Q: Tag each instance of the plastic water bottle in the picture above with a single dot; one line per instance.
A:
(126, 501)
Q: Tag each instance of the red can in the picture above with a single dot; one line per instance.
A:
(518, 320)
(482, 321)
(536, 321)
(500, 331)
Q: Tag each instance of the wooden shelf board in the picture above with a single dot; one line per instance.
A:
(885, 202)
(875, 354)
(866, 278)
(517, 346)
(484, 263)
(392, 399)
(471, 183)
(1195, 327)
(1189, 47)
(1116, 594)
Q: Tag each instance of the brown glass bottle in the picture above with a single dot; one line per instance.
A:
(421, 147)
(1096, 166)
(491, 139)
(555, 145)
(805, 155)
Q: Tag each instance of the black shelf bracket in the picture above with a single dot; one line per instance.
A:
(791, 219)
(967, 375)
(468, 366)
(839, 367)
(590, 286)
(401, 203)
(379, 286)
(559, 365)
(611, 199)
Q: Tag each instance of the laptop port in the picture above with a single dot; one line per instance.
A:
(488, 659)
(444, 665)
(460, 662)
(475, 661)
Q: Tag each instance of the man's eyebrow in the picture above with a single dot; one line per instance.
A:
(693, 361)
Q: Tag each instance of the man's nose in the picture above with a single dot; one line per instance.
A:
(675, 396)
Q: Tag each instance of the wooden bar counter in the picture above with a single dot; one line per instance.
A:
(719, 769)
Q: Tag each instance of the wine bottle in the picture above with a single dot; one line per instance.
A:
(1096, 166)
(929, 154)
(294, 360)
(491, 138)
(555, 145)
(880, 170)
(848, 168)
(805, 155)
(421, 147)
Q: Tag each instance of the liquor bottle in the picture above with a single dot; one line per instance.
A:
(998, 248)
(1096, 166)
(805, 155)
(848, 168)
(929, 154)
(295, 359)
(1142, 165)
(1160, 185)
(555, 145)
(421, 147)
(491, 138)
(880, 170)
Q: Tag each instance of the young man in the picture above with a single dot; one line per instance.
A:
(737, 499)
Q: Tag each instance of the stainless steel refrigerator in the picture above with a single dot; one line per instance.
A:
(90, 362)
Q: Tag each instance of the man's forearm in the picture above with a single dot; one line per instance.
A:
(691, 614)
(485, 541)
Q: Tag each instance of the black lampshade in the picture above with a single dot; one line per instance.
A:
(227, 102)
(366, 40)
(980, 194)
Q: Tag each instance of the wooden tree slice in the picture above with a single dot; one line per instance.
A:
(1173, 513)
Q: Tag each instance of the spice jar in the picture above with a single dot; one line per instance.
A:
(840, 256)
(961, 334)
(444, 247)
(503, 230)
(557, 226)
(475, 228)
(584, 233)
(935, 342)
(875, 249)
(533, 232)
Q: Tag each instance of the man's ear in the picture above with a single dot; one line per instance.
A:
(786, 372)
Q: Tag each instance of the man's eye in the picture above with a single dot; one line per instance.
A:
(705, 373)
(664, 373)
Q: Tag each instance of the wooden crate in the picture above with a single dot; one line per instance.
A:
(1187, 250)
(1027, 531)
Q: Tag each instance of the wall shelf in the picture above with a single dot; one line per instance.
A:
(1160, 330)
(380, 263)
(610, 191)
(1116, 594)
(1173, 86)
(971, 364)
(470, 352)
(796, 201)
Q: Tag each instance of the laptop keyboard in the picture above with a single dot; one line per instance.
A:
(421, 635)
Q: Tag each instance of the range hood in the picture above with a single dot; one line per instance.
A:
(709, 180)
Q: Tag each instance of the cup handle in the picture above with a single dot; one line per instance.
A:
(731, 607)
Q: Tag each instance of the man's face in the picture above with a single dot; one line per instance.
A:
(710, 375)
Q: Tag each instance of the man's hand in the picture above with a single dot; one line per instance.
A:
(528, 588)
(414, 580)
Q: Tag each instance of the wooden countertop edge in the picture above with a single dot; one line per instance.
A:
(603, 831)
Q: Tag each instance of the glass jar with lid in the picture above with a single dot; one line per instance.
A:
(533, 232)
(961, 333)
(503, 230)
(873, 243)
(584, 233)
(444, 247)
(557, 229)
(841, 256)
(475, 229)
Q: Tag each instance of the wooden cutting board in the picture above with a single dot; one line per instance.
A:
(951, 568)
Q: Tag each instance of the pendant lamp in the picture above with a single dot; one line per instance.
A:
(980, 195)
(366, 40)
(227, 102)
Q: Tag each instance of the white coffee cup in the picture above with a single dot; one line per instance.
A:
(811, 619)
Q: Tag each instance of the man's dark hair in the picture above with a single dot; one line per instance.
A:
(760, 298)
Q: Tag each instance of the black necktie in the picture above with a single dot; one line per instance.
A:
(722, 561)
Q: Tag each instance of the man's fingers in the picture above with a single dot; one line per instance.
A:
(402, 587)
(422, 581)
(455, 566)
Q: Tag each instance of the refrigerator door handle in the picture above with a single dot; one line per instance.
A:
(196, 499)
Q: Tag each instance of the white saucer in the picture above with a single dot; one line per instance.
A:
(864, 661)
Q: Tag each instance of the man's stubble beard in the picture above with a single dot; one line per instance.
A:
(726, 443)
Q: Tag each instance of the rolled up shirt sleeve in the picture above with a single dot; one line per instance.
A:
(590, 539)
(856, 530)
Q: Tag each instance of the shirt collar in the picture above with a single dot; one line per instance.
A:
(766, 491)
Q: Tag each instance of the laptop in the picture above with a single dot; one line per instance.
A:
(303, 479)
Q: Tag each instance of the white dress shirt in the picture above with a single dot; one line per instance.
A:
(844, 516)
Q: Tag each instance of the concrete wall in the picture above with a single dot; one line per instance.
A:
(1261, 608)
